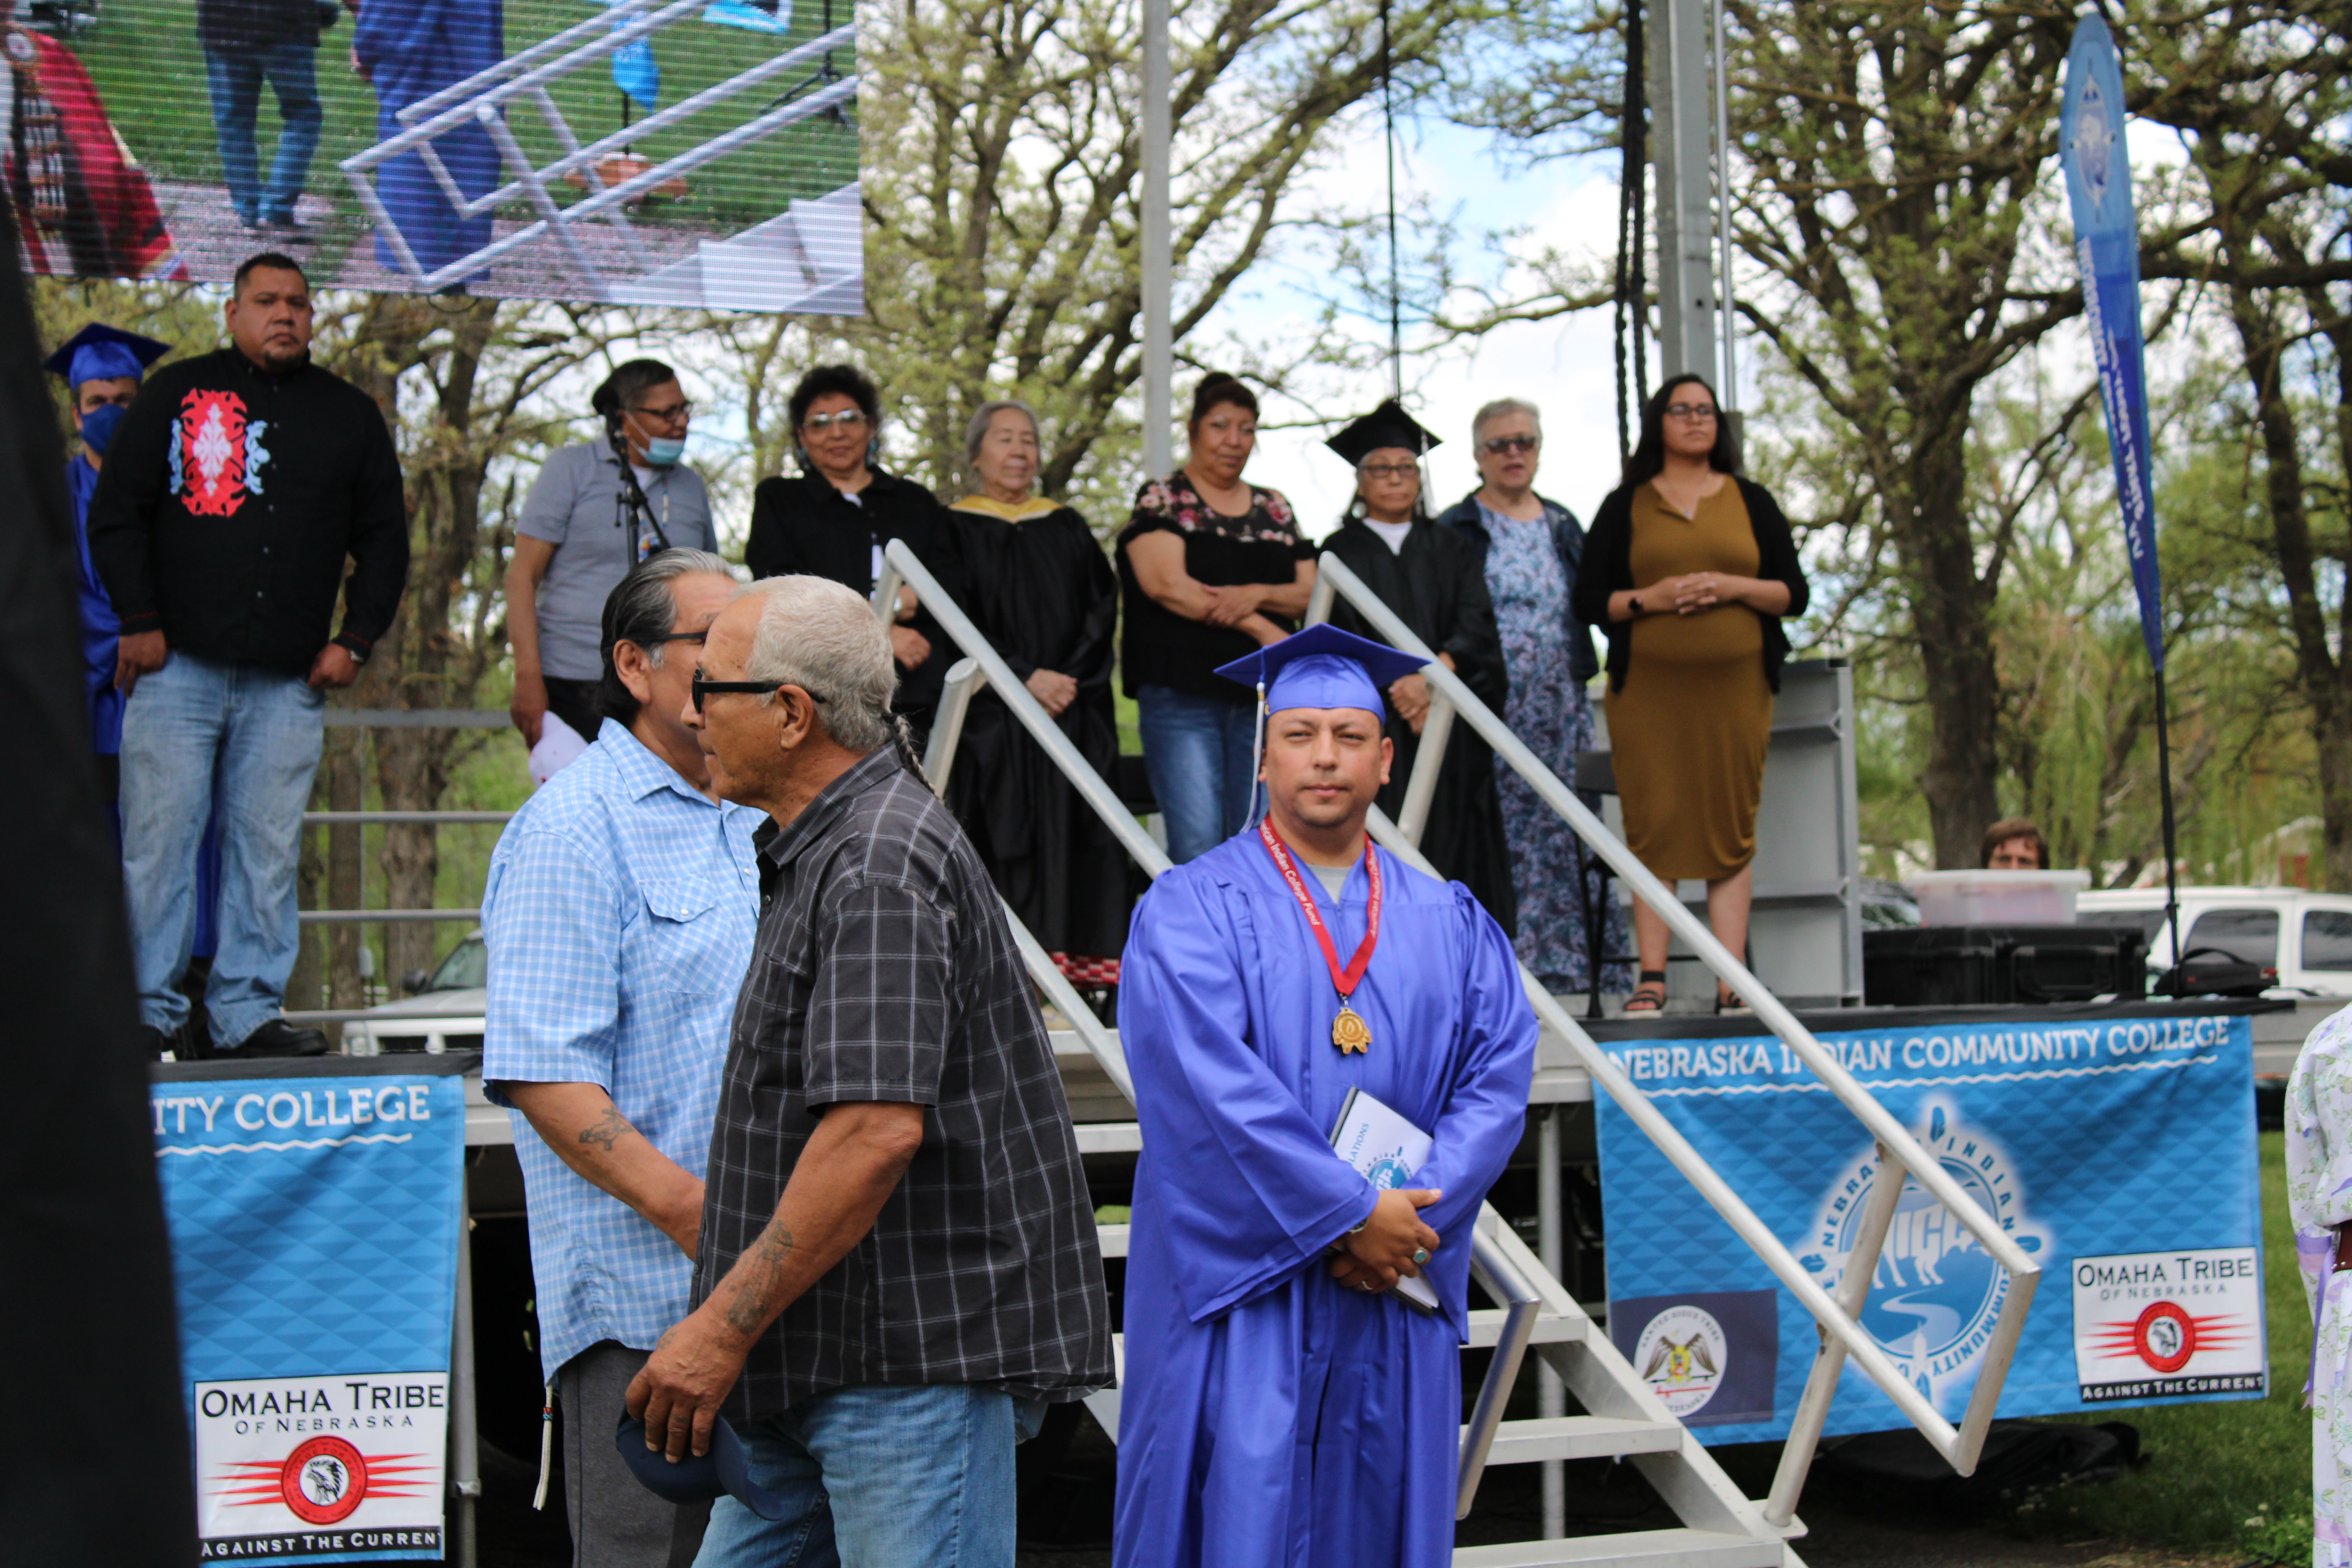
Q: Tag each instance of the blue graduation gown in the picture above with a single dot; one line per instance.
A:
(1268, 1415)
(411, 49)
(100, 631)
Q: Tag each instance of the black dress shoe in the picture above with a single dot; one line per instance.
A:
(280, 1038)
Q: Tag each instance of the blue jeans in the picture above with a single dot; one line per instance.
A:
(239, 744)
(236, 80)
(883, 1475)
(1196, 750)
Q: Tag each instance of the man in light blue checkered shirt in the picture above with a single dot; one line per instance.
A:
(620, 913)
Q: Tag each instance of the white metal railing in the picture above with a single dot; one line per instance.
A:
(1843, 1334)
(484, 98)
(982, 666)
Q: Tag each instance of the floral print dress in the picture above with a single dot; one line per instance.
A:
(2319, 1196)
(1547, 709)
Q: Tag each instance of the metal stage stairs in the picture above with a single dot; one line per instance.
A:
(1620, 1417)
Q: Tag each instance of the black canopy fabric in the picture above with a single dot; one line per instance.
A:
(94, 1467)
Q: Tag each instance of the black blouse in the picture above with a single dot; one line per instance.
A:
(800, 524)
(1160, 648)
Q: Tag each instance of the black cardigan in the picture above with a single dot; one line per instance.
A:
(1608, 569)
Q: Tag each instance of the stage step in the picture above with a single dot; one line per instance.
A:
(1648, 1548)
(1532, 1441)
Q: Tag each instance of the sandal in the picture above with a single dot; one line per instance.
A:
(1730, 1006)
(1650, 995)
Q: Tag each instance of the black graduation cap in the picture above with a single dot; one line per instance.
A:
(100, 353)
(1387, 426)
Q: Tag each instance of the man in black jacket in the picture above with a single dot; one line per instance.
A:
(232, 493)
(246, 43)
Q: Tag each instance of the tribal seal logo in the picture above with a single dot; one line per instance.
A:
(1388, 1174)
(2167, 1336)
(323, 1480)
(1935, 1292)
(1682, 1353)
(212, 450)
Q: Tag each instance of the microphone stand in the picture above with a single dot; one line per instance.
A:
(631, 510)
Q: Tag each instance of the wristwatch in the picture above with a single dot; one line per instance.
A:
(1634, 603)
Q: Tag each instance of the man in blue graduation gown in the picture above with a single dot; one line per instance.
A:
(1279, 1404)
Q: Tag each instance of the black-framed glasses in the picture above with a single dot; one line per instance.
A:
(1389, 470)
(670, 415)
(673, 636)
(1690, 410)
(846, 419)
(705, 688)
(1498, 444)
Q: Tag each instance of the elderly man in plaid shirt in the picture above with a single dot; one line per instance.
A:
(619, 917)
(898, 1268)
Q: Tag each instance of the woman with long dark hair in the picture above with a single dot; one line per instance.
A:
(1689, 570)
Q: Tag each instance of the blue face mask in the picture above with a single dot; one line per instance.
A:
(98, 426)
(663, 451)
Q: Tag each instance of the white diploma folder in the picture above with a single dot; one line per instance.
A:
(1386, 1149)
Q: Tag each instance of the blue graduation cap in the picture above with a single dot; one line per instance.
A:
(100, 353)
(725, 1471)
(1323, 666)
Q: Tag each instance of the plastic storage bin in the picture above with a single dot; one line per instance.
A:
(1997, 898)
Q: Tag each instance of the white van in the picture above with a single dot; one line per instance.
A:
(2302, 940)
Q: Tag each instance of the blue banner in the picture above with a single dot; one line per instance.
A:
(2106, 248)
(2118, 1152)
(314, 1248)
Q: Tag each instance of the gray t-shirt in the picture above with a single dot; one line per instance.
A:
(571, 505)
(1333, 878)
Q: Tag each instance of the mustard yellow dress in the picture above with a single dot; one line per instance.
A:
(1688, 731)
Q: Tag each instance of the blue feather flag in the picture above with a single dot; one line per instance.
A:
(2107, 247)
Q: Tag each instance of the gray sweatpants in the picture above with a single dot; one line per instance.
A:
(615, 1521)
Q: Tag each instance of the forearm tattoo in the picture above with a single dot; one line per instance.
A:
(762, 1275)
(607, 1130)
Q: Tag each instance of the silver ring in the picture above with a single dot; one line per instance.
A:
(1420, 1256)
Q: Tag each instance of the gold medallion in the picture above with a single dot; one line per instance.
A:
(1349, 1032)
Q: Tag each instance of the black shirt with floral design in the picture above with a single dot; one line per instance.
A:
(1160, 648)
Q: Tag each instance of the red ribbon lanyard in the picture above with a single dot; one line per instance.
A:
(1344, 980)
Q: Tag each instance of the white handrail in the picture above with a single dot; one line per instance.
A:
(1959, 1446)
(900, 566)
(1844, 1335)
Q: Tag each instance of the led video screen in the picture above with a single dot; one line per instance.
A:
(686, 152)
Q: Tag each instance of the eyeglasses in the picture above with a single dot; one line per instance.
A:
(846, 419)
(670, 637)
(1498, 444)
(673, 413)
(704, 688)
(1389, 470)
(1690, 411)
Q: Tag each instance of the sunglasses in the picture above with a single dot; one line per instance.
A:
(845, 419)
(704, 688)
(1499, 444)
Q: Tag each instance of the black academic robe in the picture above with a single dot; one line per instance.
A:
(1438, 585)
(1041, 591)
